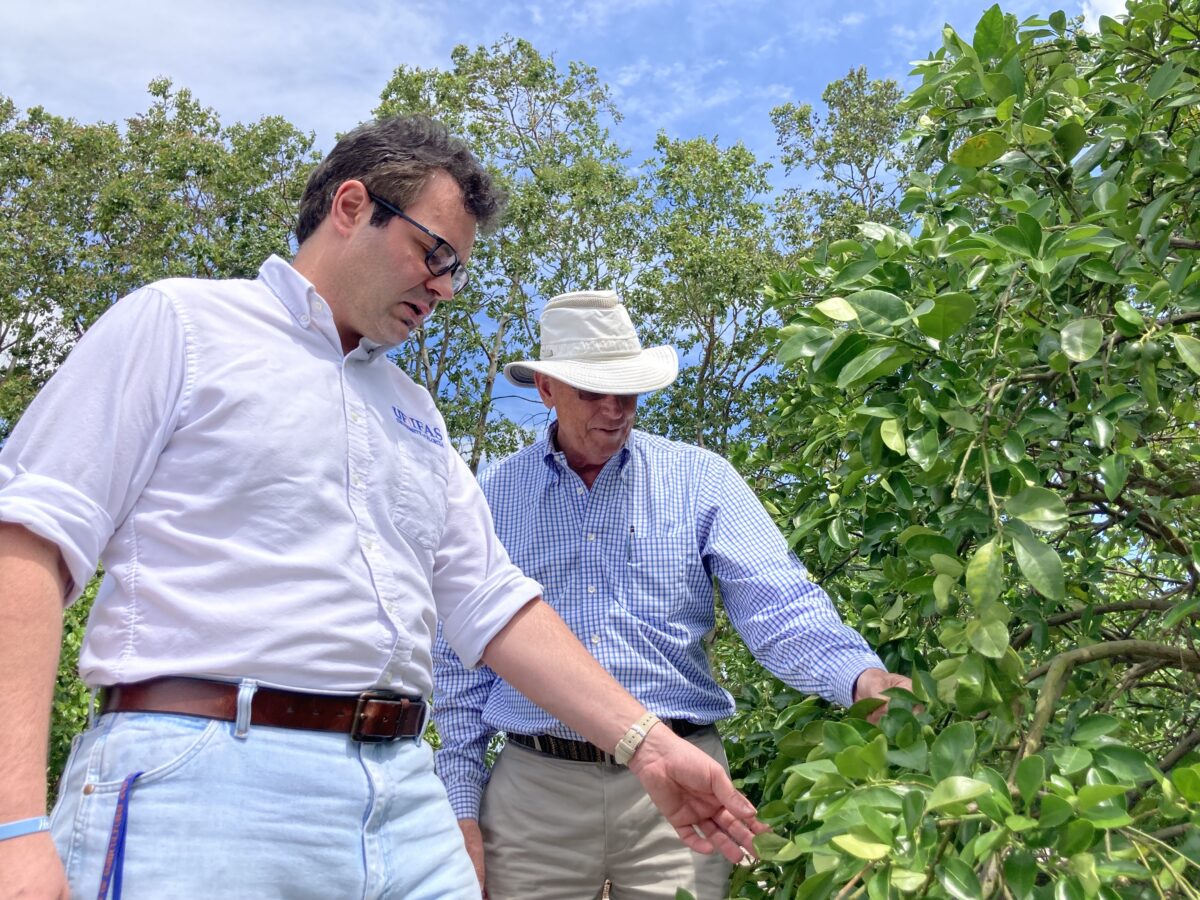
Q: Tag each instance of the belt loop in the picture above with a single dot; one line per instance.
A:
(426, 715)
(93, 696)
(246, 690)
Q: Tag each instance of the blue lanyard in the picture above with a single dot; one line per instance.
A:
(114, 860)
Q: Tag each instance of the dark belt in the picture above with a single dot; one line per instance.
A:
(583, 751)
(370, 717)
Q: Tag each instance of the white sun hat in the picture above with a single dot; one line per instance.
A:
(588, 341)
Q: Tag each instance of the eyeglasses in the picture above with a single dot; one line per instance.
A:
(441, 258)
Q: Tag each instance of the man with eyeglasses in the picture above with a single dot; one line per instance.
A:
(627, 533)
(282, 522)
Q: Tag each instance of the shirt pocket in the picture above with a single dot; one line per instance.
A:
(419, 495)
(655, 585)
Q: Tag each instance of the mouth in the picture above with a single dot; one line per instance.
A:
(410, 316)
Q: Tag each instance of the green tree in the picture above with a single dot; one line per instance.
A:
(992, 430)
(712, 243)
(854, 150)
(572, 221)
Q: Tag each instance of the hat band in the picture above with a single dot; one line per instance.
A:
(594, 348)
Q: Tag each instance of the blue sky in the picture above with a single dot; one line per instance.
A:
(705, 67)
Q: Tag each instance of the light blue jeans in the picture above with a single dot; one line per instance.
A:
(231, 812)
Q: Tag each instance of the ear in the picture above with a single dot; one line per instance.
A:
(351, 207)
(545, 388)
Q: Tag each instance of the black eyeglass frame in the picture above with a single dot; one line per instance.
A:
(458, 271)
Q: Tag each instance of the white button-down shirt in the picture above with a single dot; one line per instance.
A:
(264, 506)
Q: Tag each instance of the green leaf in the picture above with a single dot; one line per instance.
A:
(1069, 138)
(953, 751)
(1188, 349)
(1035, 134)
(877, 309)
(837, 309)
(1031, 772)
(988, 637)
(979, 150)
(1020, 872)
(1187, 782)
(1038, 508)
(985, 573)
(959, 879)
(950, 313)
(844, 348)
(1092, 727)
(1071, 759)
(1092, 795)
(989, 34)
(1163, 80)
(1082, 338)
(1013, 447)
(1115, 470)
(862, 849)
(876, 362)
(956, 790)
(892, 433)
(1040, 564)
(1100, 270)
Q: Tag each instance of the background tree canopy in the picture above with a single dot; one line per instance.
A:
(967, 393)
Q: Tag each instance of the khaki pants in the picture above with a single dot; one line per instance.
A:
(557, 830)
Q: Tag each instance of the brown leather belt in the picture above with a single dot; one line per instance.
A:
(369, 717)
(583, 751)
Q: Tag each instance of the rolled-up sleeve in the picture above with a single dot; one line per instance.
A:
(475, 584)
(77, 461)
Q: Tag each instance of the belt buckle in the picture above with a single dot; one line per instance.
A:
(360, 716)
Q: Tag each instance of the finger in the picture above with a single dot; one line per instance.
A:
(742, 833)
(733, 799)
(694, 838)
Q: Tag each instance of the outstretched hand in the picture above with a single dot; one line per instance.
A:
(694, 793)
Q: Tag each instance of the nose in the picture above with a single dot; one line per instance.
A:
(441, 287)
(611, 406)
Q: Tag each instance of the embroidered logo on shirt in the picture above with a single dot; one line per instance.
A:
(416, 426)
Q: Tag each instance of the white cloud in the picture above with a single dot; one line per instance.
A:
(1094, 9)
(294, 58)
(855, 18)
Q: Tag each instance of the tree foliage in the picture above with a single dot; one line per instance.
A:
(991, 431)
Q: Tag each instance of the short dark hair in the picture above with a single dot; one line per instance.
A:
(395, 158)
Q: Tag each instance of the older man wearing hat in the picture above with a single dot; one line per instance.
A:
(626, 531)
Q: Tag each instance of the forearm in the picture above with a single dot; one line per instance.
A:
(538, 655)
(31, 590)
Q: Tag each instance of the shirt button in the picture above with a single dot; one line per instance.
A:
(595, 638)
(304, 320)
(591, 589)
(579, 490)
(356, 481)
(591, 536)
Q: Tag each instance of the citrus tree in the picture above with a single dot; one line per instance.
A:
(986, 450)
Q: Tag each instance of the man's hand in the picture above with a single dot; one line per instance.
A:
(32, 869)
(473, 838)
(872, 683)
(691, 789)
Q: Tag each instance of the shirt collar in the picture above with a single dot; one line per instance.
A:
(556, 460)
(301, 299)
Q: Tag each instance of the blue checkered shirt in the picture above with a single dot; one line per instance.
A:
(630, 565)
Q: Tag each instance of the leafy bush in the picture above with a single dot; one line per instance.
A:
(986, 448)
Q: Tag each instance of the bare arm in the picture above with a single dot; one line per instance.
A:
(32, 583)
(539, 656)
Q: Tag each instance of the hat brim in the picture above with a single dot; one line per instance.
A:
(649, 370)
